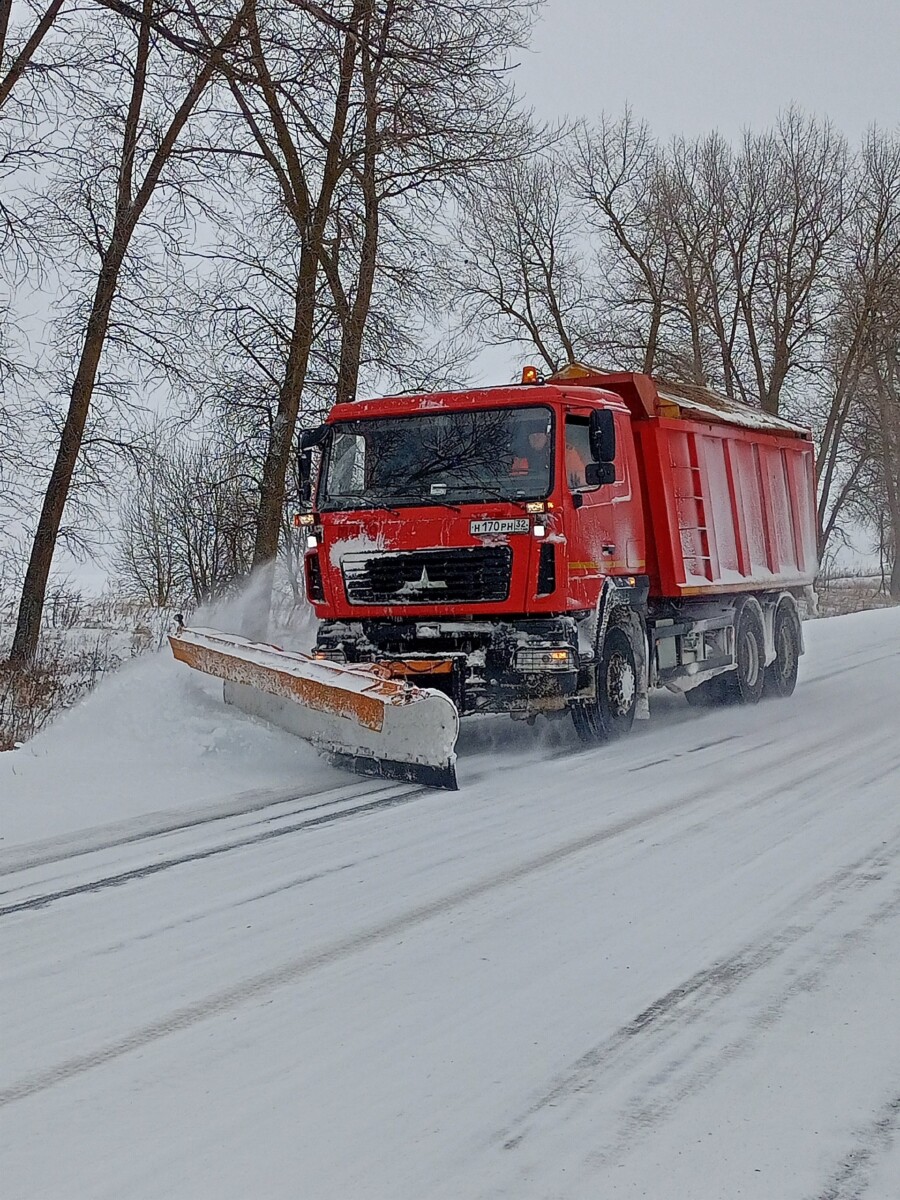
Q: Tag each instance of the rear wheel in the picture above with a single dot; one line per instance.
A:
(781, 674)
(744, 685)
(611, 712)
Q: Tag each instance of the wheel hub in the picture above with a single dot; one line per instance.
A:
(785, 653)
(621, 684)
(751, 659)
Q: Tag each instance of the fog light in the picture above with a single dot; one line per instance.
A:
(330, 655)
(544, 658)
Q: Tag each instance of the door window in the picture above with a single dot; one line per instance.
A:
(578, 452)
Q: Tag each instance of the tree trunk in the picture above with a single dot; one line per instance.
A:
(129, 208)
(895, 574)
(652, 338)
(278, 450)
(356, 317)
(34, 589)
(26, 54)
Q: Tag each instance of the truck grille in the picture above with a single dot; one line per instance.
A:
(458, 576)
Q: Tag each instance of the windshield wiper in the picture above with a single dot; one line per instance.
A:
(362, 502)
(423, 501)
(484, 490)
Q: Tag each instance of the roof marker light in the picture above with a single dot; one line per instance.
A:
(530, 375)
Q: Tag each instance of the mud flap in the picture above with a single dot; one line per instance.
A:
(356, 715)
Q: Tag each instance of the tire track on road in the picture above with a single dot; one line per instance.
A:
(91, 886)
(295, 969)
(850, 1180)
(117, 879)
(685, 1072)
(123, 833)
(869, 661)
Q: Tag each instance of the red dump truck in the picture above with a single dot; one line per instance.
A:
(560, 546)
(564, 545)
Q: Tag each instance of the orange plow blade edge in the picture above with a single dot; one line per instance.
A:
(358, 715)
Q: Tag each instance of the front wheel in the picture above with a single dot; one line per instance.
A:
(611, 712)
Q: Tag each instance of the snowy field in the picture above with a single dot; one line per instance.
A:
(666, 969)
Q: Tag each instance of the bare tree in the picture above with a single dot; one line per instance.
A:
(186, 524)
(860, 332)
(522, 277)
(788, 213)
(273, 114)
(619, 166)
(431, 119)
(113, 208)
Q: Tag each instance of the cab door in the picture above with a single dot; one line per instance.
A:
(604, 530)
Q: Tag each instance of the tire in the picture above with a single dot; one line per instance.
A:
(745, 684)
(709, 694)
(781, 674)
(611, 713)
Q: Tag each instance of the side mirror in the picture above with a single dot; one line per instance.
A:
(309, 438)
(307, 441)
(598, 473)
(603, 435)
(304, 477)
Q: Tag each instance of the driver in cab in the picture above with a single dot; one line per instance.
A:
(535, 455)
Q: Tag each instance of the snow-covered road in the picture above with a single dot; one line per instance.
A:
(667, 968)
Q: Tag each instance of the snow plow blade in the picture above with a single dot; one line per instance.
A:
(359, 716)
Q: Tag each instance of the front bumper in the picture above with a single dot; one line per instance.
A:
(521, 666)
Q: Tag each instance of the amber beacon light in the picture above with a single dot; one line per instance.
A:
(530, 375)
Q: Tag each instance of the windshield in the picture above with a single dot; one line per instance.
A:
(440, 458)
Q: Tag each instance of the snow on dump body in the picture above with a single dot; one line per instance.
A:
(374, 724)
(704, 404)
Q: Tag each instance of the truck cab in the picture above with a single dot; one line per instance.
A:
(463, 540)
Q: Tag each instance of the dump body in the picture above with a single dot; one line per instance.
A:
(729, 496)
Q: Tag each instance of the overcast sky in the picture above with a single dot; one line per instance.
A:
(688, 66)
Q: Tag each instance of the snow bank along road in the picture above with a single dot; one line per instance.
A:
(666, 968)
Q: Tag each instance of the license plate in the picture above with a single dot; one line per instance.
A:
(503, 525)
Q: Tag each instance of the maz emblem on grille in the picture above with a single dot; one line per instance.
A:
(422, 584)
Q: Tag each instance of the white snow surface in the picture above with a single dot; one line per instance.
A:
(666, 968)
(153, 738)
